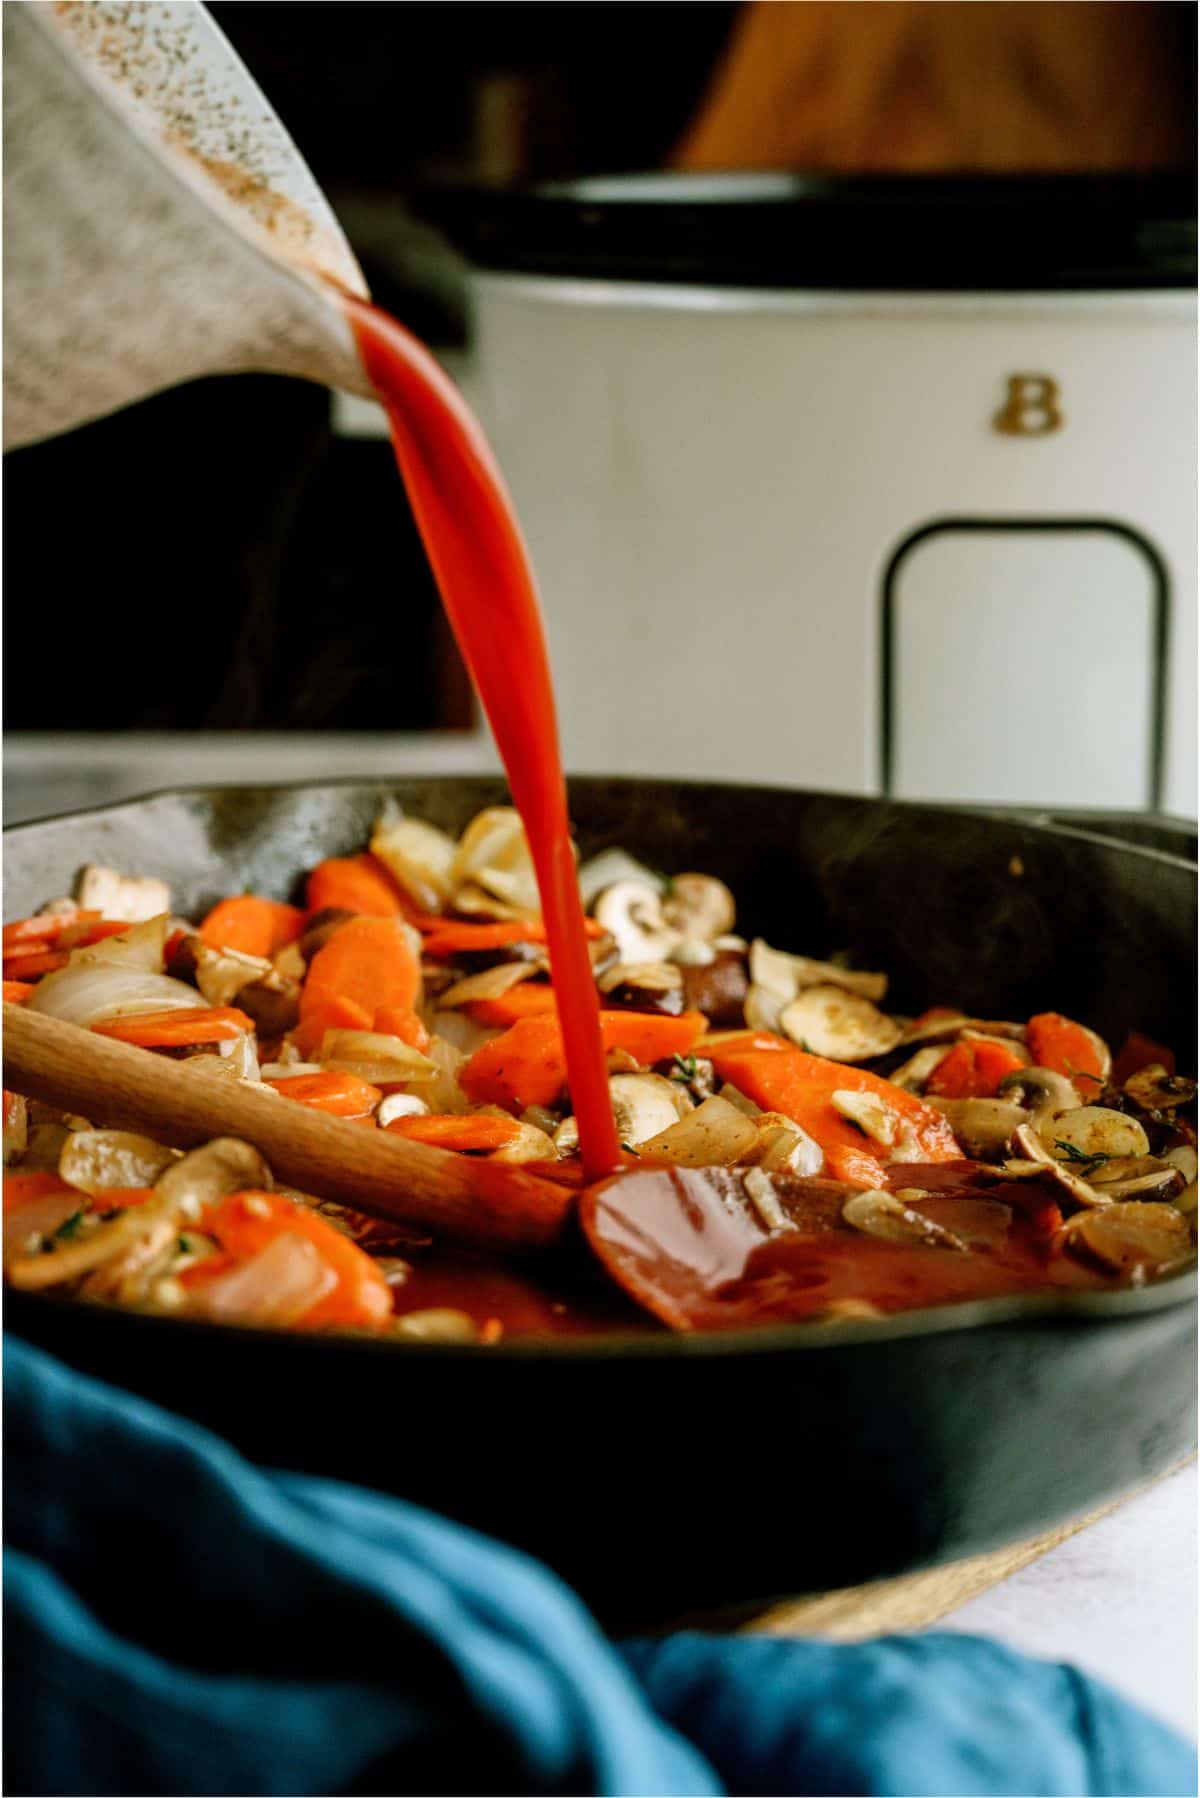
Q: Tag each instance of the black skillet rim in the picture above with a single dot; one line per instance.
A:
(1053, 233)
(1064, 1309)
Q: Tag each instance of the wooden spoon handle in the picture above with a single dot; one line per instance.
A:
(482, 1202)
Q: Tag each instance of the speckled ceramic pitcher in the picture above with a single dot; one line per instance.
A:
(159, 222)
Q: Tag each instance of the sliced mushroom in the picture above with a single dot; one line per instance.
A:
(608, 868)
(632, 914)
(692, 953)
(719, 988)
(912, 1074)
(490, 983)
(715, 1134)
(872, 1115)
(700, 907)
(1091, 1134)
(419, 855)
(786, 975)
(643, 986)
(474, 901)
(1153, 1089)
(1130, 1238)
(983, 1127)
(763, 1009)
(321, 926)
(1159, 1181)
(1183, 1157)
(129, 897)
(645, 1105)
(141, 1228)
(1041, 1092)
(947, 1027)
(222, 1166)
(829, 1021)
(1029, 1144)
(272, 1002)
(887, 1217)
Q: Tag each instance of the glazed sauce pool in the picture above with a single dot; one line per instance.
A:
(474, 543)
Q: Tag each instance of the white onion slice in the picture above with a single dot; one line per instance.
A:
(89, 993)
(276, 1286)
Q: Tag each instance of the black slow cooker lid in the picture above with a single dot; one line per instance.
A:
(968, 233)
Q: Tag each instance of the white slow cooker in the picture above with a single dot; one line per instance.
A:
(876, 485)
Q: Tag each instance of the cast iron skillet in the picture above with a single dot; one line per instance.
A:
(663, 1474)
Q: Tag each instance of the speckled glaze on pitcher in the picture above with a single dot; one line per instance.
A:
(159, 222)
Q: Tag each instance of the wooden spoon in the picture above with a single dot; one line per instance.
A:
(481, 1202)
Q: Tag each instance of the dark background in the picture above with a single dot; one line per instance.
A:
(274, 579)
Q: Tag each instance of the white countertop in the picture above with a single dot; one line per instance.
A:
(1119, 1599)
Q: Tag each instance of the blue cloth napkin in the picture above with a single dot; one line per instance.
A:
(180, 1621)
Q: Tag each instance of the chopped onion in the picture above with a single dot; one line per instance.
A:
(96, 1160)
(276, 1286)
(91, 992)
(141, 946)
(461, 1032)
(373, 1056)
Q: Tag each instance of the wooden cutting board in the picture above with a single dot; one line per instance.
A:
(917, 1600)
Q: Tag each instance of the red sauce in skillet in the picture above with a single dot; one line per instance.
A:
(483, 571)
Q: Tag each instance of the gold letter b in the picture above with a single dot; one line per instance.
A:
(1031, 409)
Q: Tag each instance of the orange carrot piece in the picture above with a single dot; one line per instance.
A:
(357, 883)
(973, 1070)
(526, 1066)
(120, 1198)
(245, 1222)
(250, 925)
(472, 1132)
(33, 965)
(393, 1020)
(17, 991)
(178, 1029)
(22, 1188)
(529, 1000)
(801, 1086)
(366, 964)
(201, 1272)
(46, 928)
(343, 1095)
(458, 936)
(81, 932)
(1066, 1048)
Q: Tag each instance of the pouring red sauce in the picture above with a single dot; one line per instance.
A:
(482, 566)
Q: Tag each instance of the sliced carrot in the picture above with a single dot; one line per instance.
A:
(121, 1198)
(17, 991)
(357, 883)
(526, 1065)
(46, 928)
(22, 1188)
(529, 1000)
(366, 964)
(343, 1095)
(457, 936)
(973, 1070)
(80, 932)
(201, 1272)
(472, 1132)
(801, 1086)
(1066, 1048)
(245, 1222)
(393, 1020)
(35, 964)
(250, 925)
(177, 1029)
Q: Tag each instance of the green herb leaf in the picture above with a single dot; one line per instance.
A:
(71, 1226)
(1077, 1155)
(685, 1067)
(1080, 1074)
(630, 1148)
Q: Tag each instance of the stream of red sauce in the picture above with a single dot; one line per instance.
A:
(482, 566)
